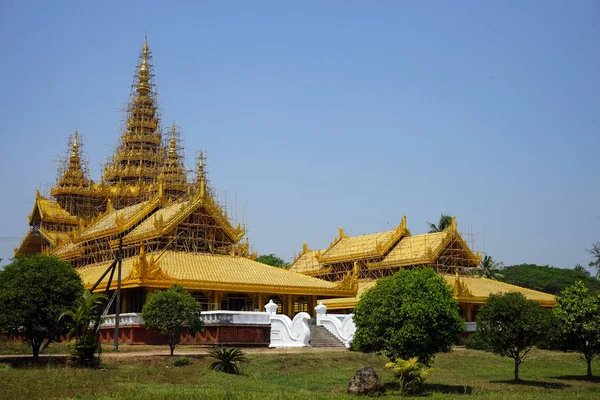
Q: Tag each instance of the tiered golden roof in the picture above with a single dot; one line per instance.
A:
(170, 230)
(139, 156)
(200, 271)
(172, 174)
(73, 178)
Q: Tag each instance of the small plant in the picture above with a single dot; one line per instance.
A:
(4, 367)
(228, 359)
(412, 375)
(85, 322)
(181, 361)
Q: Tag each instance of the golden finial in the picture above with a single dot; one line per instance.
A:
(75, 150)
(144, 75)
(200, 168)
(173, 147)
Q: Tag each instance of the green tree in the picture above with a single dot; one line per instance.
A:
(34, 292)
(85, 319)
(488, 268)
(579, 313)
(581, 270)
(410, 314)
(510, 325)
(444, 222)
(545, 278)
(171, 312)
(595, 252)
(273, 260)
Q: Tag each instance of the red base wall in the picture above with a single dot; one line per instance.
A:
(217, 334)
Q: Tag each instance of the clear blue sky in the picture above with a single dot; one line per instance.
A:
(326, 114)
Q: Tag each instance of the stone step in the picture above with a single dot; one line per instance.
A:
(321, 337)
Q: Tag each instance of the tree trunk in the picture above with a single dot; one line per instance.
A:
(172, 347)
(36, 350)
(589, 368)
(517, 362)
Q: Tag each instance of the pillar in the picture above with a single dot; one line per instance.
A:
(468, 316)
(125, 301)
(260, 301)
(290, 306)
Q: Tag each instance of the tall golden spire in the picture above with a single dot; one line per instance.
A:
(139, 158)
(173, 142)
(173, 173)
(144, 74)
(72, 178)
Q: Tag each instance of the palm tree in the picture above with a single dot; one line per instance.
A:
(488, 268)
(228, 359)
(444, 222)
(87, 344)
(87, 309)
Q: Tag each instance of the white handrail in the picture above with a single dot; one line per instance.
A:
(340, 325)
(286, 332)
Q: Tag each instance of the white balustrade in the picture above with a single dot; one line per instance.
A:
(286, 332)
(340, 325)
(235, 317)
(125, 319)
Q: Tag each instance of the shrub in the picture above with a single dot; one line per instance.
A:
(228, 359)
(411, 314)
(4, 367)
(181, 361)
(475, 342)
(411, 373)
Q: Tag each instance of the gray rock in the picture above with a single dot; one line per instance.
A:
(365, 382)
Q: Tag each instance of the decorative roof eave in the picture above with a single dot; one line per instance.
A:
(454, 235)
(123, 225)
(406, 263)
(160, 228)
(320, 254)
(317, 272)
(46, 217)
(227, 287)
(235, 234)
(380, 249)
(24, 243)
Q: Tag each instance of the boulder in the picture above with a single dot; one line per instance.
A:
(365, 382)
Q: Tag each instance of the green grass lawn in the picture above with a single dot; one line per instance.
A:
(308, 375)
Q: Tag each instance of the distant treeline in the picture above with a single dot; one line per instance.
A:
(545, 278)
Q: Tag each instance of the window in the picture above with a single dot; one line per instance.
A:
(300, 305)
(202, 299)
(277, 300)
(237, 302)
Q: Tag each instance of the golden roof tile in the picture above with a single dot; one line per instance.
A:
(115, 221)
(467, 289)
(477, 290)
(158, 222)
(372, 245)
(307, 264)
(203, 271)
(411, 250)
(51, 211)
